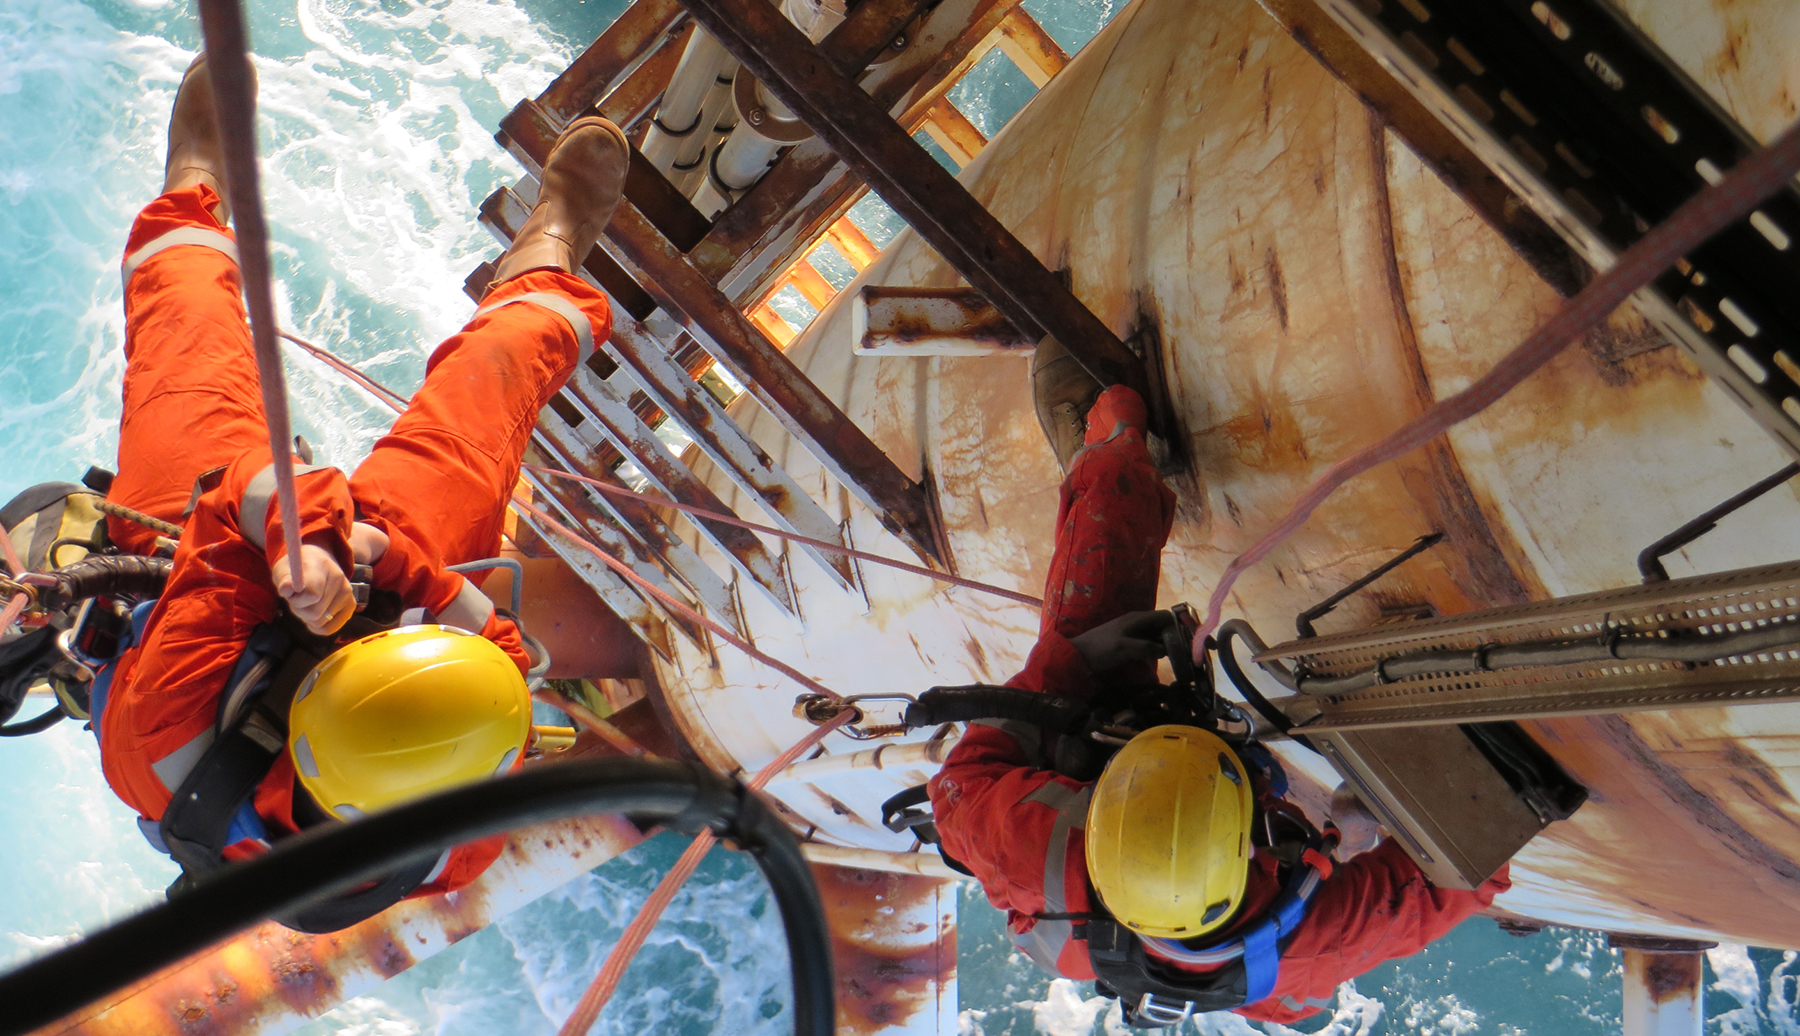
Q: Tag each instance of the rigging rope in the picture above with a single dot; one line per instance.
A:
(674, 604)
(826, 545)
(590, 719)
(15, 607)
(1699, 218)
(395, 402)
(228, 63)
(632, 940)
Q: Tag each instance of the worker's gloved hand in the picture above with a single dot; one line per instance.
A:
(1132, 637)
(323, 600)
(367, 543)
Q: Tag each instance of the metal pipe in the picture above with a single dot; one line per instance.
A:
(1664, 994)
(922, 863)
(717, 117)
(679, 114)
(909, 756)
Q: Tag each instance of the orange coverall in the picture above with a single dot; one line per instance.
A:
(1019, 826)
(436, 484)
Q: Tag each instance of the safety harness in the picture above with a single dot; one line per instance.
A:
(1148, 976)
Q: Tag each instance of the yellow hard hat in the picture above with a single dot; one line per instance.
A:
(1168, 833)
(403, 713)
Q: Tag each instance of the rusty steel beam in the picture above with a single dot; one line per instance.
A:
(629, 530)
(899, 321)
(1431, 140)
(604, 405)
(613, 53)
(809, 188)
(720, 438)
(939, 208)
(846, 451)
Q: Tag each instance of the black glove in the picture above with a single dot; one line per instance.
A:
(1132, 637)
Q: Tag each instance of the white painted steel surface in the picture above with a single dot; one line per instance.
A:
(1312, 285)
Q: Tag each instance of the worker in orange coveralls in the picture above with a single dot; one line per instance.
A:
(193, 450)
(1147, 879)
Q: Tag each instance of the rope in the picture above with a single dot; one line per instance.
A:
(673, 604)
(1698, 219)
(393, 400)
(632, 940)
(169, 529)
(397, 403)
(16, 606)
(590, 719)
(228, 64)
(826, 545)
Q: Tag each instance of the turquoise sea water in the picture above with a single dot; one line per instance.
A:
(377, 135)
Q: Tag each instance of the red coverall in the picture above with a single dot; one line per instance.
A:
(436, 484)
(1019, 826)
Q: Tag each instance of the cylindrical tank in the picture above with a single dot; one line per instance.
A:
(1307, 284)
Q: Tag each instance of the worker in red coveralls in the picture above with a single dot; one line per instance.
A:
(217, 658)
(1149, 880)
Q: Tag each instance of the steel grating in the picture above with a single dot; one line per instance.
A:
(1717, 603)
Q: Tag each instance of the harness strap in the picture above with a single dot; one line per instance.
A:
(179, 236)
(562, 307)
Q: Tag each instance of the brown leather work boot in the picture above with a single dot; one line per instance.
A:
(196, 154)
(583, 179)
(1062, 392)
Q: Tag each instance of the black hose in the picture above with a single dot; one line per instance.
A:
(107, 575)
(1238, 629)
(330, 859)
(37, 724)
(941, 705)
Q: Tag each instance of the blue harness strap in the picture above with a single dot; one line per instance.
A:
(1262, 944)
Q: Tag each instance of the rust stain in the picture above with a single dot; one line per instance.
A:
(1277, 286)
(1647, 836)
(1672, 976)
(1479, 561)
(268, 972)
(890, 965)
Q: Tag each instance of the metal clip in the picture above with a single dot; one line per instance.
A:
(1163, 1013)
(858, 730)
(819, 710)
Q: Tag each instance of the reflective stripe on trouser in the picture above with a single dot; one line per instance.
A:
(192, 400)
(444, 473)
(1048, 939)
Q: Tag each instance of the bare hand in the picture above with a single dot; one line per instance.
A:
(323, 600)
(367, 543)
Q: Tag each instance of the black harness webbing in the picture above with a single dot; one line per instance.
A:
(197, 824)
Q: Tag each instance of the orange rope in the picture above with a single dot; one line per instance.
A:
(16, 606)
(827, 545)
(394, 401)
(605, 983)
(590, 719)
(675, 605)
(1698, 218)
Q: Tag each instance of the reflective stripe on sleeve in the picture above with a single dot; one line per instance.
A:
(1047, 939)
(253, 507)
(179, 236)
(562, 307)
(470, 611)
